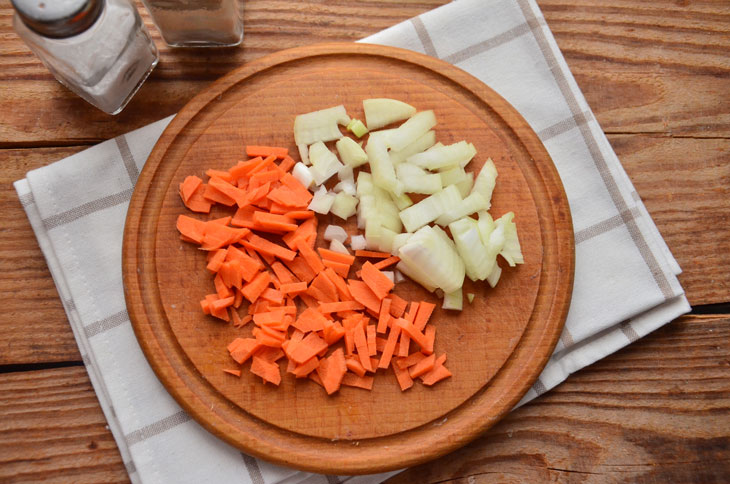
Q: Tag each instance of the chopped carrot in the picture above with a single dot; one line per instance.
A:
(382, 264)
(331, 371)
(263, 246)
(265, 151)
(405, 339)
(376, 280)
(404, 379)
(325, 286)
(215, 262)
(266, 220)
(244, 349)
(425, 309)
(398, 305)
(293, 288)
(358, 381)
(188, 186)
(253, 289)
(287, 163)
(266, 370)
(353, 364)
(370, 336)
(384, 315)
(389, 347)
(343, 270)
(422, 367)
(310, 256)
(303, 370)
(438, 373)
(342, 291)
(309, 347)
(364, 295)
(232, 372)
(213, 194)
(410, 360)
(339, 306)
(310, 320)
(191, 228)
(336, 256)
(373, 254)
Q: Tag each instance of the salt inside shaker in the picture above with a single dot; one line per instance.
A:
(197, 23)
(99, 49)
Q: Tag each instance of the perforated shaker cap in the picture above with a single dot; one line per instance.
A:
(58, 18)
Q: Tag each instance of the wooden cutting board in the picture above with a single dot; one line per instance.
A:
(496, 346)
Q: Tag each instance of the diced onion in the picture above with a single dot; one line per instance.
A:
(335, 232)
(358, 242)
(381, 112)
(322, 201)
(320, 125)
(337, 246)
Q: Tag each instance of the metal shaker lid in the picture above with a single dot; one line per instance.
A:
(58, 18)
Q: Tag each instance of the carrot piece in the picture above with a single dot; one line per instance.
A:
(310, 320)
(213, 194)
(333, 332)
(303, 370)
(339, 306)
(398, 305)
(425, 309)
(283, 274)
(382, 264)
(216, 260)
(331, 370)
(197, 201)
(221, 288)
(372, 253)
(272, 295)
(300, 214)
(218, 235)
(353, 364)
(405, 339)
(286, 197)
(309, 347)
(188, 186)
(265, 220)
(430, 334)
(384, 315)
(232, 372)
(270, 354)
(422, 367)
(244, 217)
(380, 344)
(266, 370)
(268, 317)
(262, 177)
(249, 266)
(370, 336)
(253, 289)
(336, 256)
(301, 192)
(404, 379)
(364, 295)
(310, 256)
(287, 163)
(225, 175)
(293, 288)
(266, 151)
(234, 193)
(438, 373)
(389, 347)
(365, 381)
(263, 246)
(244, 349)
(408, 328)
(342, 291)
(191, 228)
(244, 168)
(326, 287)
(361, 345)
(315, 378)
(343, 270)
(376, 280)
(410, 360)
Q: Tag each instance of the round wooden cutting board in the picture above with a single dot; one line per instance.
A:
(496, 346)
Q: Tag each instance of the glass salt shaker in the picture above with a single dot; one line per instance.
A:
(197, 23)
(99, 49)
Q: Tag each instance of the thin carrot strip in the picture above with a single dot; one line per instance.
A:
(410, 360)
(372, 253)
(303, 370)
(293, 288)
(422, 367)
(425, 309)
(365, 382)
(197, 201)
(384, 315)
(382, 264)
(398, 305)
(287, 163)
(272, 221)
(378, 282)
(342, 291)
(404, 379)
(263, 246)
(370, 336)
(389, 347)
(338, 306)
(407, 328)
(265, 151)
(253, 289)
(310, 256)
(343, 270)
(232, 372)
(336, 256)
(362, 293)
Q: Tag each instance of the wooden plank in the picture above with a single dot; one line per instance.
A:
(659, 67)
(684, 184)
(35, 328)
(53, 430)
(636, 416)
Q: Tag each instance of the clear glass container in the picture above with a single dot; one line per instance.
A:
(99, 49)
(198, 23)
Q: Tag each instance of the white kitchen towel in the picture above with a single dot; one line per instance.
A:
(625, 279)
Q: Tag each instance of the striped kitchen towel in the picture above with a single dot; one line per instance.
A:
(625, 276)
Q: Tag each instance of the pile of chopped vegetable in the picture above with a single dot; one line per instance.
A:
(332, 324)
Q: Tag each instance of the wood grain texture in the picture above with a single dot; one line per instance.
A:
(637, 416)
(497, 346)
(33, 322)
(53, 431)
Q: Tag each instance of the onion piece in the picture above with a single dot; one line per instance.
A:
(358, 242)
(430, 208)
(457, 154)
(324, 163)
(337, 246)
(408, 132)
(381, 112)
(344, 205)
(351, 153)
(335, 232)
(322, 201)
(320, 125)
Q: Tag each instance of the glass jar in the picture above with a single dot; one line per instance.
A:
(197, 23)
(99, 49)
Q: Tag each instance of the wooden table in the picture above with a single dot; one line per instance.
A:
(657, 75)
